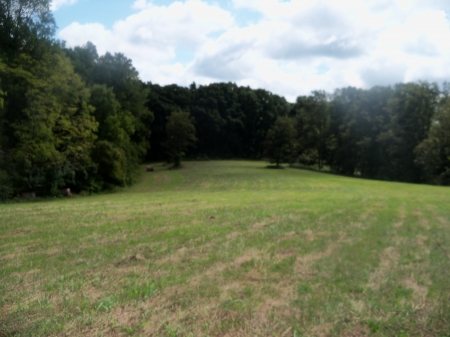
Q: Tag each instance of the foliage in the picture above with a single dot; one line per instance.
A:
(180, 134)
(313, 127)
(2, 101)
(54, 132)
(411, 109)
(26, 26)
(433, 153)
(6, 188)
(281, 140)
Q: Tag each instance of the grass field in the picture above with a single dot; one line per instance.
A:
(229, 248)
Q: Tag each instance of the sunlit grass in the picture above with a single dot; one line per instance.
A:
(230, 248)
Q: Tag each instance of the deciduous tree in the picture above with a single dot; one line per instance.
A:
(180, 134)
(281, 140)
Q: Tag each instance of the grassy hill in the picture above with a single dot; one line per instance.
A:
(229, 248)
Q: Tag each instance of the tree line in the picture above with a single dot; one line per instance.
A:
(72, 118)
(397, 133)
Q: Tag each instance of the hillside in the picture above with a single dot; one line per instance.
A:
(229, 248)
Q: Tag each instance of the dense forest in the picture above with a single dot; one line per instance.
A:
(70, 118)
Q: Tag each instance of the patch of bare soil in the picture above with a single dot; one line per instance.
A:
(388, 260)
(130, 260)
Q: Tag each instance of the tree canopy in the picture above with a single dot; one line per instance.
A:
(280, 143)
(180, 135)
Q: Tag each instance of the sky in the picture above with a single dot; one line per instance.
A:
(287, 47)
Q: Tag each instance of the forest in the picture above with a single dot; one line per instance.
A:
(70, 118)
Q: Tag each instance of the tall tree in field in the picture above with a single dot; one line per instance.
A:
(280, 140)
(180, 134)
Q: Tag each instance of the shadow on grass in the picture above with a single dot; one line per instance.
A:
(275, 167)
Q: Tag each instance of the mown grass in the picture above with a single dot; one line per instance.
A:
(229, 248)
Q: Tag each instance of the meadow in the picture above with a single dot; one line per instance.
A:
(230, 248)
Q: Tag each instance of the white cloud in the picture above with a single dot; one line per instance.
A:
(153, 34)
(56, 4)
(359, 42)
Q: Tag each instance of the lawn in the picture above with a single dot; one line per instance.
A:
(229, 248)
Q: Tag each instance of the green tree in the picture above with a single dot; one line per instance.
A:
(52, 135)
(116, 71)
(433, 153)
(280, 141)
(114, 153)
(26, 26)
(84, 60)
(162, 101)
(180, 133)
(312, 120)
(411, 110)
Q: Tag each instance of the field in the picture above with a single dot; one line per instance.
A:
(229, 248)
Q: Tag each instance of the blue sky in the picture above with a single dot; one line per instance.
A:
(289, 47)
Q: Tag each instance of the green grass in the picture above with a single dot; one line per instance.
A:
(230, 248)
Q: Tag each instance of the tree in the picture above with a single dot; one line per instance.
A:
(114, 152)
(313, 126)
(117, 71)
(411, 109)
(433, 153)
(26, 26)
(84, 60)
(180, 134)
(280, 140)
(162, 101)
(51, 135)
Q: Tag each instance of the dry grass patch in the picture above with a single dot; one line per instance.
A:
(303, 264)
(419, 292)
(388, 261)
